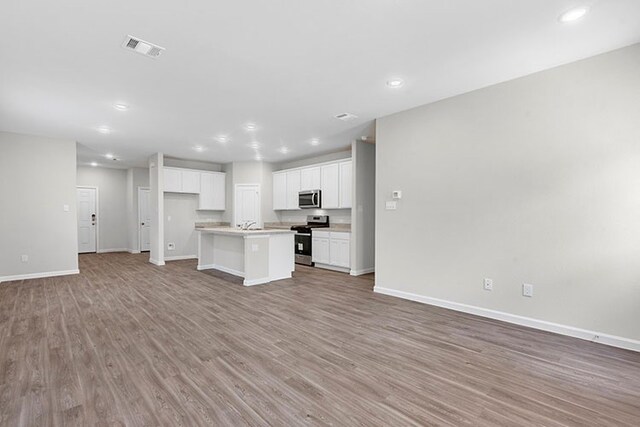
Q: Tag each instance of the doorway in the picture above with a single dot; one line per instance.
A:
(87, 199)
(247, 204)
(144, 219)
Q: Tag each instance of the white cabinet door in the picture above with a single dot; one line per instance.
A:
(339, 253)
(293, 188)
(190, 181)
(280, 190)
(346, 180)
(330, 186)
(212, 191)
(320, 250)
(172, 180)
(310, 179)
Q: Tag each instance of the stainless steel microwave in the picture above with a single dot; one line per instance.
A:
(309, 199)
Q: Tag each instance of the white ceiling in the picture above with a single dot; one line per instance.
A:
(288, 66)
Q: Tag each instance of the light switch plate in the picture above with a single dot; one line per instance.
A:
(65, 208)
(391, 206)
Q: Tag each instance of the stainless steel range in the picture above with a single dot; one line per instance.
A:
(303, 237)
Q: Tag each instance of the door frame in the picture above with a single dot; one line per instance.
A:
(97, 213)
(235, 203)
(138, 225)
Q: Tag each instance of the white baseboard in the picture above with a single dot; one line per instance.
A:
(332, 267)
(156, 262)
(611, 340)
(363, 271)
(106, 251)
(180, 257)
(256, 281)
(133, 251)
(221, 268)
(38, 275)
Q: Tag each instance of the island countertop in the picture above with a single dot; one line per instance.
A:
(231, 231)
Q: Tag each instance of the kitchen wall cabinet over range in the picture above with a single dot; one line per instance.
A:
(333, 179)
(331, 248)
(209, 186)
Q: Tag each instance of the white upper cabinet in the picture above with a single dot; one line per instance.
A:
(172, 180)
(310, 178)
(334, 179)
(330, 186)
(280, 191)
(190, 181)
(212, 191)
(346, 181)
(293, 188)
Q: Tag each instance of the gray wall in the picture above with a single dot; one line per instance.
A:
(536, 180)
(37, 178)
(363, 224)
(180, 216)
(136, 178)
(112, 205)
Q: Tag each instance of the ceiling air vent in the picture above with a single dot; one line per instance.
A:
(346, 117)
(142, 47)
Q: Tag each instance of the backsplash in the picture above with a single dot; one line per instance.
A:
(336, 216)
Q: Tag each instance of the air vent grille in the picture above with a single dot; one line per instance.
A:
(142, 47)
(346, 117)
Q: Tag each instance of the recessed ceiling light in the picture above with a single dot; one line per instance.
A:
(395, 83)
(198, 148)
(109, 156)
(94, 164)
(573, 15)
(223, 139)
(104, 129)
(121, 107)
(284, 150)
(250, 127)
(258, 157)
(255, 145)
(315, 141)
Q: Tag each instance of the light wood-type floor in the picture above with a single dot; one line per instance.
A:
(129, 343)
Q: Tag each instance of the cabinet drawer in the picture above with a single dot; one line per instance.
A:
(340, 235)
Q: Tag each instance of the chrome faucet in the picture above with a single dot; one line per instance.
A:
(246, 224)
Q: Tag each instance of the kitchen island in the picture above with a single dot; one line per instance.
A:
(259, 256)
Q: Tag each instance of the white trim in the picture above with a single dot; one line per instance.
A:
(106, 251)
(254, 282)
(38, 275)
(156, 262)
(221, 268)
(180, 257)
(363, 271)
(97, 215)
(611, 340)
(133, 251)
(333, 268)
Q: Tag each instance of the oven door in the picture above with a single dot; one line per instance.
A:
(302, 248)
(309, 199)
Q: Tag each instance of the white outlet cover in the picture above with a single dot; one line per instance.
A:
(254, 247)
(527, 290)
(397, 194)
(391, 206)
(171, 246)
(65, 208)
(488, 284)
(25, 258)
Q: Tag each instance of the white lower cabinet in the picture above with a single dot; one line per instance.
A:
(331, 248)
(320, 250)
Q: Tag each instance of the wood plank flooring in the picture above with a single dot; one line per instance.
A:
(129, 343)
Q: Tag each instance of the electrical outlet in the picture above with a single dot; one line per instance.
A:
(171, 246)
(25, 258)
(488, 284)
(527, 290)
(391, 206)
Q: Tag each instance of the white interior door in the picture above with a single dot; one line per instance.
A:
(87, 219)
(144, 219)
(247, 204)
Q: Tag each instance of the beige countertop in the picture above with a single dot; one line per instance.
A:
(336, 229)
(231, 231)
